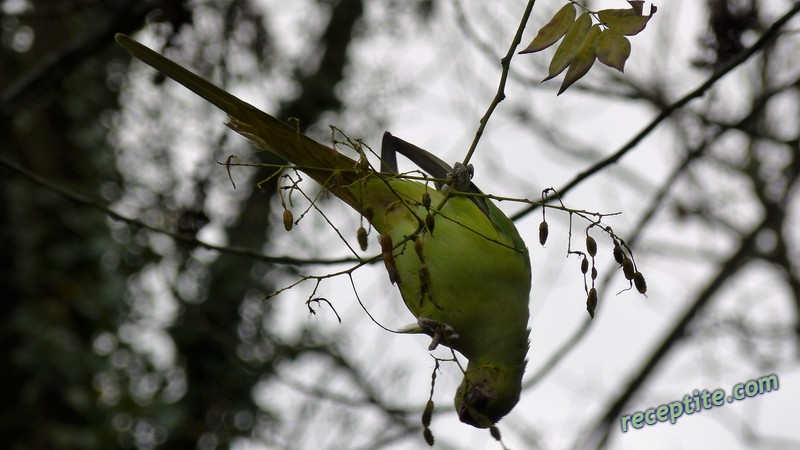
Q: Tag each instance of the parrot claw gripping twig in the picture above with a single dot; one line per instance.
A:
(462, 175)
(441, 332)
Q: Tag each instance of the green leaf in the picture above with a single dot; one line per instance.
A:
(554, 30)
(569, 47)
(584, 59)
(612, 49)
(625, 21)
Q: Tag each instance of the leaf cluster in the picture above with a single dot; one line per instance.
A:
(585, 41)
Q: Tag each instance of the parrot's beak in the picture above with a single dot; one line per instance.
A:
(475, 400)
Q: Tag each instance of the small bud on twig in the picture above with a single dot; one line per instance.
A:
(543, 232)
(288, 220)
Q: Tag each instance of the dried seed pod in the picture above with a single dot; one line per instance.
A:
(641, 284)
(288, 220)
(591, 246)
(627, 268)
(543, 232)
(619, 255)
(594, 273)
(386, 243)
(429, 222)
(427, 414)
(388, 258)
(584, 265)
(424, 283)
(591, 302)
(428, 434)
(426, 199)
(362, 238)
(495, 432)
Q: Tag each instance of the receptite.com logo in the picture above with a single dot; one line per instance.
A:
(698, 401)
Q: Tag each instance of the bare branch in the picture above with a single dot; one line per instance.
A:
(505, 63)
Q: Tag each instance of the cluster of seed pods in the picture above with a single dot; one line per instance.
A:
(623, 255)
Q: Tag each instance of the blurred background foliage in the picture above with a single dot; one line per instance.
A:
(78, 336)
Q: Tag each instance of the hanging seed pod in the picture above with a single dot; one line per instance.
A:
(543, 232)
(388, 258)
(591, 302)
(427, 414)
(288, 220)
(495, 432)
(428, 435)
(619, 255)
(424, 284)
(641, 284)
(362, 238)
(426, 200)
(386, 243)
(591, 246)
(594, 273)
(584, 265)
(627, 268)
(429, 222)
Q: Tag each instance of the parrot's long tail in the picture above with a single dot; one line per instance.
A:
(328, 167)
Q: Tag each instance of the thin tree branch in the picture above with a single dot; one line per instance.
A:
(186, 239)
(505, 63)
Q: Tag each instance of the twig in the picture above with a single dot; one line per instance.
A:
(505, 63)
(183, 238)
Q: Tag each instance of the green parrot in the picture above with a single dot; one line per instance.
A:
(464, 272)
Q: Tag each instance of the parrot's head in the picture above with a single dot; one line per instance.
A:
(488, 393)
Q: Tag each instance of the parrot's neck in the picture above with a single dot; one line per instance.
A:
(505, 347)
(510, 352)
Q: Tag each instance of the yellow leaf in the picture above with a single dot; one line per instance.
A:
(583, 61)
(612, 49)
(569, 46)
(625, 21)
(554, 30)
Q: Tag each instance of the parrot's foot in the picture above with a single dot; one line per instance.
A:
(462, 176)
(441, 332)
